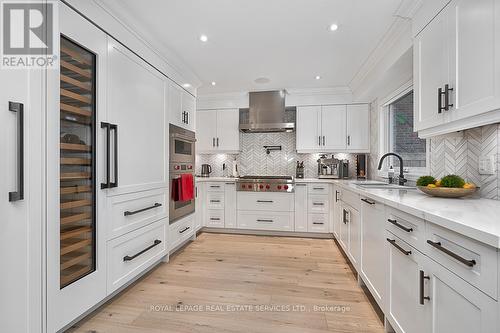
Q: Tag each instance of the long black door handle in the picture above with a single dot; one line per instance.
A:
(437, 245)
(393, 242)
(422, 297)
(129, 258)
(447, 104)
(19, 109)
(128, 213)
(114, 127)
(400, 226)
(107, 184)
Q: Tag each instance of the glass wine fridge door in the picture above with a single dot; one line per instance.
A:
(77, 162)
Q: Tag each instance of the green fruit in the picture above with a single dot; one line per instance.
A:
(426, 180)
(452, 181)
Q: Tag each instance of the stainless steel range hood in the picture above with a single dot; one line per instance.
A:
(266, 113)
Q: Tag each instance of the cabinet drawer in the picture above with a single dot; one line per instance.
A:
(215, 218)
(131, 211)
(318, 188)
(474, 262)
(317, 223)
(215, 187)
(409, 228)
(350, 198)
(132, 253)
(318, 204)
(180, 231)
(215, 200)
(279, 221)
(276, 202)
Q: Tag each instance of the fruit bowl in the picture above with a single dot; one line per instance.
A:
(447, 192)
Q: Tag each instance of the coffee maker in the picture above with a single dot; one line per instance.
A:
(332, 168)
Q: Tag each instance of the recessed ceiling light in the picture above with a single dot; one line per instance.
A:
(186, 85)
(333, 27)
(204, 38)
(318, 77)
(213, 83)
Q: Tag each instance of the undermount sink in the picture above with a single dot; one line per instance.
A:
(385, 186)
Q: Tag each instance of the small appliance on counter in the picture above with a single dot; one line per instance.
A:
(236, 172)
(299, 170)
(362, 166)
(332, 168)
(206, 170)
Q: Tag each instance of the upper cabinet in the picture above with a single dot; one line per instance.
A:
(182, 106)
(333, 128)
(457, 68)
(217, 131)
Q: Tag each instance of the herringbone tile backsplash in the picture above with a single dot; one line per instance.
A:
(459, 154)
(253, 159)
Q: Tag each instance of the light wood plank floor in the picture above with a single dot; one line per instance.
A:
(220, 272)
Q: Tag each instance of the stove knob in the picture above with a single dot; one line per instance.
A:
(285, 187)
(261, 186)
(176, 167)
(279, 187)
(268, 187)
(190, 167)
(243, 186)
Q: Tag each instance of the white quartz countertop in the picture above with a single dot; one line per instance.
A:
(476, 218)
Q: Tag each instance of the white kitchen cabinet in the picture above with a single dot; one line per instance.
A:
(301, 220)
(349, 232)
(217, 131)
(358, 128)
(181, 106)
(454, 305)
(336, 211)
(404, 263)
(373, 238)
(141, 131)
(215, 218)
(458, 49)
(333, 128)
(230, 205)
(199, 205)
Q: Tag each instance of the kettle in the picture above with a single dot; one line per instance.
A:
(206, 170)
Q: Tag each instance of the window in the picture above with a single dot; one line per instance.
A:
(399, 136)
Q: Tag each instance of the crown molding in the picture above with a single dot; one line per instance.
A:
(183, 72)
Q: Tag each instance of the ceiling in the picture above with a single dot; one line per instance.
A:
(286, 41)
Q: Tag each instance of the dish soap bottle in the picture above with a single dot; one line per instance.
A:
(390, 175)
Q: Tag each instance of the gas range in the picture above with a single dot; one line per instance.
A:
(266, 184)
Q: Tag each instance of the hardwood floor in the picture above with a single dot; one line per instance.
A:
(235, 280)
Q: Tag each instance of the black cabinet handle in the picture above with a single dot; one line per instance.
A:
(107, 184)
(437, 245)
(422, 286)
(440, 100)
(318, 204)
(393, 242)
(368, 201)
(318, 223)
(318, 188)
(129, 258)
(184, 230)
(213, 142)
(336, 196)
(345, 214)
(187, 117)
(214, 186)
(114, 128)
(128, 213)
(19, 109)
(348, 140)
(265, 220)
(265, 201)
(214, 219)
(447, 104)
(323, 140)
(319, 140)
(400, 226)
(214, 200)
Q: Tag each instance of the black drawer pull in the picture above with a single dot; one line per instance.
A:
(230, 183)
(129, 258)
(422, 285)
(318, 188)
(300, 184)
(19, 109)
(214, 219)
(321, 223)
(184, 230)
(393, 242)
(437, 245)
(337, 196)
(265, 221)
(214, 186)
(214, 200)
(128, 213)
(318, 204)
(265, 201)
(400, 226)
(368, 201)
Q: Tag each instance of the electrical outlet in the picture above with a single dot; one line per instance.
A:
(487, 164)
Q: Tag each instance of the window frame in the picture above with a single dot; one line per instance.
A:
(411, 173)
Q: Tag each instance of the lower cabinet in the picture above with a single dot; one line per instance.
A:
(180, 231)
(230, 205)
(199, 205)
(301, 220)
(219, 204)
(274, 221)
(131, 254)
(350, 233)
